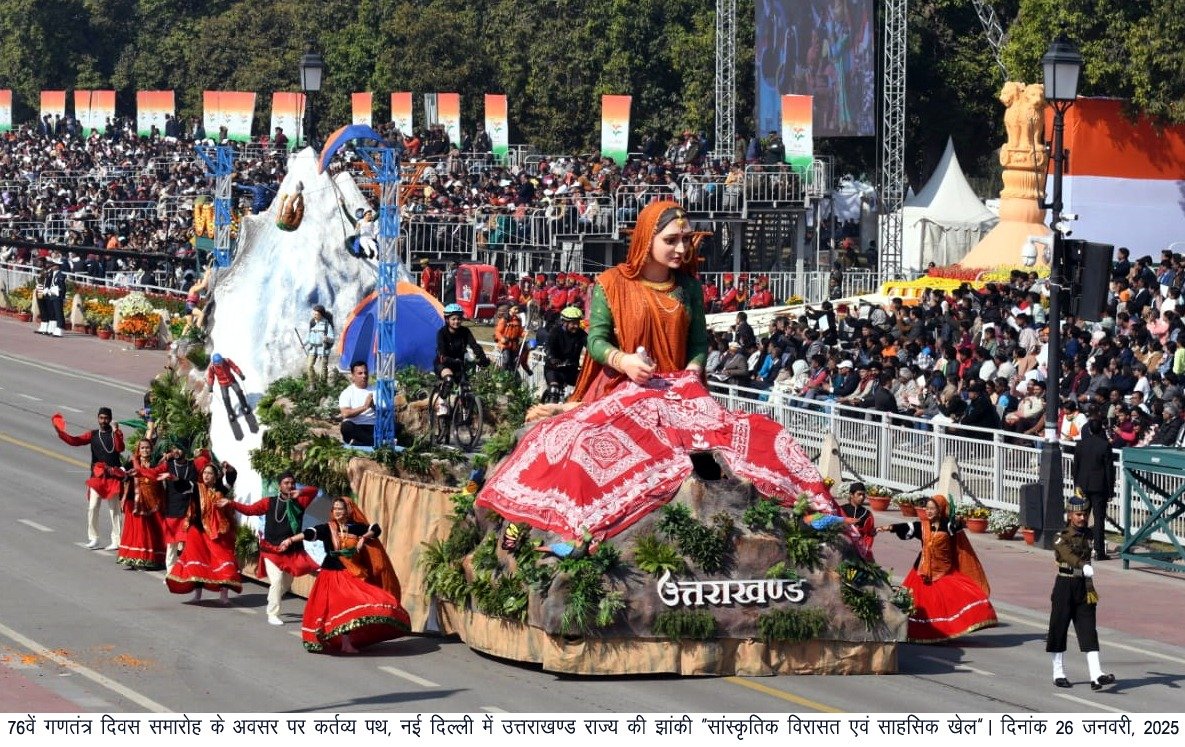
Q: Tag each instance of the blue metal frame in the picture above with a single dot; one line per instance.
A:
(386, 170)
(220, 161)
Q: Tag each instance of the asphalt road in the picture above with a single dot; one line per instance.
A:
(78, 632)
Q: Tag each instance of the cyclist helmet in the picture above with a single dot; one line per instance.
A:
(571, 313)
(452, 309)
(216, 359)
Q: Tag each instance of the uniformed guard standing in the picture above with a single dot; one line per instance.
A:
(1074, 597)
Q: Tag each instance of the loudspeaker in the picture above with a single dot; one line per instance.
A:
(1032, 512)
(1088, 270)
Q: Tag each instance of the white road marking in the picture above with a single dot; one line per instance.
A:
(408, 676)
(29, 396)
(245, 611)
(957, 667)
(68, 408)
(62, 371)
(294, 632)
(1109, 644)
(1091, 703)
(35, 525)
(141, 700)
(494, 709)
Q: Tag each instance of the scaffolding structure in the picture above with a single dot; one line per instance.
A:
(892, 138)
(993, 30)
(726, 77)
(220, 161)
(385, 166)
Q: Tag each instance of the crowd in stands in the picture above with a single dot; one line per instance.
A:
(115, 190)
(978, 358)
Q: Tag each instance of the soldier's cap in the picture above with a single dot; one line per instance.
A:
(1077, 503)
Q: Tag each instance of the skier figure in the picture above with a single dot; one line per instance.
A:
(224, 370)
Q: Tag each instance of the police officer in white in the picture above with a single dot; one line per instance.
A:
(357, 407)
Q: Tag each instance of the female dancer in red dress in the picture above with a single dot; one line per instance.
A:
(344, 612)
(142, 543)
(208, 560)
(950, 590)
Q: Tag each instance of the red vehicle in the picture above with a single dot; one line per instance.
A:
(479, 287)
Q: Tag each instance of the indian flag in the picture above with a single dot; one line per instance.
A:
(151, 108)
(1124, 178)
(234, 110)
(449, 113)
(53, 103)
(615, 127)
(797, 133)
(361, 106)
(288, 114)
(93, 109)
(497, 123)
(5, 109)
(401, 111)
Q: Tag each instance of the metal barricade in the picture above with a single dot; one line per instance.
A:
(585, 216)
(713, 195)
(819, 178)
(629, 199)
(58, 227)
(438, 237)
(115, 212)
(31, 230)
(772, 187)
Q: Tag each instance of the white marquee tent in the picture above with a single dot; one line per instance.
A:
(945, 220)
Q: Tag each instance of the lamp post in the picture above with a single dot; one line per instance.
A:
(1062, 65)
(312, 70)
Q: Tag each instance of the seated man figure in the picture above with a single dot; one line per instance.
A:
(356, 404)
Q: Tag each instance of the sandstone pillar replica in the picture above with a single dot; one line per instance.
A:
(1021, 236)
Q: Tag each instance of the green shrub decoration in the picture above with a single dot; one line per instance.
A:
(764, 515)
(443, 575)
(176, 412)
(781, 570)
(590, 604)
(707, 547)
(198, 357)
(902, 599)
(803, 548)
(864, 604)
(698, 625)
(655, 556)
(246, 544)
(485, 557)
(792, 624)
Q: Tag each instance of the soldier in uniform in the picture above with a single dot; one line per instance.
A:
(1074, 597)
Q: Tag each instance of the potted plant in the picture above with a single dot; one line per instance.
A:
(908, 503)
(1029, 534)
(103, 331)
(1003, 523)
(22, 302)
(98, 313)
(879, 498)
(974, 517)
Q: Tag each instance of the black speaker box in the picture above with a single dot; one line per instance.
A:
(1088, 270)
(1032, 512)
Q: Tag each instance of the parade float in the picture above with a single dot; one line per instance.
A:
(705, 543)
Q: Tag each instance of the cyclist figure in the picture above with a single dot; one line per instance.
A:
(565, 343)
(451, 342)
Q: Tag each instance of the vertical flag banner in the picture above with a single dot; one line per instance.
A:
(449, 111)
(151, 108)
(288, 115)
(615, 128)
(497, 123)
(797, 131)
(401, 111)
(53, 102)
(92, 109)
(5, 109)
(234, 110)
(361, 107)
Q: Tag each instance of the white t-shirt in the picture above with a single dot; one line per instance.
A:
(353, 397)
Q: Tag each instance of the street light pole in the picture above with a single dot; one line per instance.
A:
(312, 71)
(1062, 64)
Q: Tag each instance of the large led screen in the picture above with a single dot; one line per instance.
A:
(825, 48)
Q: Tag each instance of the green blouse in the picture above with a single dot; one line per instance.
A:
(688, 291)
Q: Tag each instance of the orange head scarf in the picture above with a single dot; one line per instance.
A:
(650, 222)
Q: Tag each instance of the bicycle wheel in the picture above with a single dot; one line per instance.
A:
(467, 420)
(438, 427)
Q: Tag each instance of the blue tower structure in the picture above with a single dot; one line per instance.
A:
(220, 161)
(385, 166)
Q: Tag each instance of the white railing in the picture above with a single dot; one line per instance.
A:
(713, 195)
(439, 237)
(629, 199)
(905, 453)
(15, 275)
(812, 287)
(776, 186)
(590, 216)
